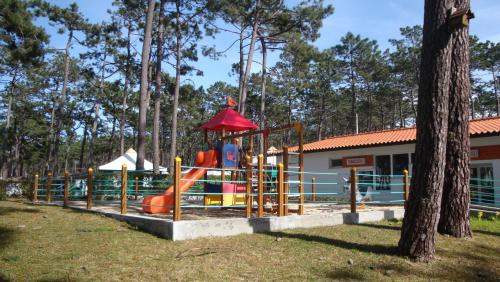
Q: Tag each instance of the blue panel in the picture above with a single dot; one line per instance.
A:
(230, 155)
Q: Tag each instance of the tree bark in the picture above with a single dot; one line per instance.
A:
(242, 67)
(62, 101)
(82, 148)
(248, 69)
(125, 89)
(454, 219)
(143, 99)
(111, 141)
(175, 106)
(157, 99)
(422, 213)
(93, 135)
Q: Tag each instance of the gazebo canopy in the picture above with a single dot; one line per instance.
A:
(129, 158)
(230, 120)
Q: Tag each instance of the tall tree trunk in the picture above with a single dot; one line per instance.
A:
(454, 218)
(422, 213)
(248, 69)
(93, 135)
(495, 89)
(143, 99)
(353, 96)
(321, 113)
(68, 147)
(175, 106)
(157, 99)
(125, 88)
(82, 148)
(111, 141)
(263, 92)
(62, 101)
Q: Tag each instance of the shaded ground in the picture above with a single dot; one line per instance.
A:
(51, 243)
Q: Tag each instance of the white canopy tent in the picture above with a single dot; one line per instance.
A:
(129, 158)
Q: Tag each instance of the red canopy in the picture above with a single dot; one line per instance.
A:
(230, 120)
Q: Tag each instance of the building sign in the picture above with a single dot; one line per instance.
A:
(357, 161)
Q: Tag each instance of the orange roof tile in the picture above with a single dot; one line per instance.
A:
(403, 135)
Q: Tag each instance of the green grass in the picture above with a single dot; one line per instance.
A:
(62, 244)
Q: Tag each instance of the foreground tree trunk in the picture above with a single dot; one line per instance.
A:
(157, 99)
(454, 218)
(422, 214)
(143, 99)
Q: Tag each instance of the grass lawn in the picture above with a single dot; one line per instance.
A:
(51, 243)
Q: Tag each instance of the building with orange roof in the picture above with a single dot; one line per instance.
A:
(381, 156)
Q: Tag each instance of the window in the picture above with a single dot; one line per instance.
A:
(365, 181)
(412, 158)
(383, 171)
(399, 163)
(335, 163)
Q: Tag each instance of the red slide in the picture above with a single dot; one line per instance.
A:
(164, 202)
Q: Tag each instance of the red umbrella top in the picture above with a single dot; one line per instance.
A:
(230, 120)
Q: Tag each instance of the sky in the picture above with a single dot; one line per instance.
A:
(379, 20)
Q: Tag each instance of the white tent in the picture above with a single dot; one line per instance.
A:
(129, 158)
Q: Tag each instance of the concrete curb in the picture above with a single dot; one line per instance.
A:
(220, 227)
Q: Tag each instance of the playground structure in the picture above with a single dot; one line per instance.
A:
(235, 189)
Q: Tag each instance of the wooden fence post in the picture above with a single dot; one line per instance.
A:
(405, 187)
(66, 182)
(280, 189)
(286, 186)
(177, 189)
(49, 187)
(353, 190)
(260, 186)
(248, 196)
(123, 202)
(89, 187)
(35, 189)
(301, 168)
(313, 189)
(136, 187)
